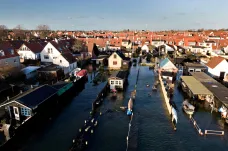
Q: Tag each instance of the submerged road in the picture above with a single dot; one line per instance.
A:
(151, 126)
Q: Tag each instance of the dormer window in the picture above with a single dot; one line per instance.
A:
(12, 52)
(2, 53)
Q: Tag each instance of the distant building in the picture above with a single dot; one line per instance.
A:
(9, 58)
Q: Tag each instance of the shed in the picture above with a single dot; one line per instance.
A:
(118, 80)
(195, 88)
(30, 71)
(27, 104)
(219, 90)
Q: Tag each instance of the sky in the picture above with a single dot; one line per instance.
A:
(115, 14)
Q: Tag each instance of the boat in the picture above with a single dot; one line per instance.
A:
(174, 117)
(81, 73)
(223, 112)
(154, 88)
(188, 108)
(130, 107)
(75, 71)
(113, 91)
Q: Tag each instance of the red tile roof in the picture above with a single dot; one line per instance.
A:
(214, 62)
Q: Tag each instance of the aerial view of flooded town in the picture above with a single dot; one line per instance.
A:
(113, 75)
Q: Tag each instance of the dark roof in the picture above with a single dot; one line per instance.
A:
(179, 47)
(59, 85)
(122, 55)
(51, 67)
(34, 46)
(4, 86)
(196, 65)
(16, 44)
(8, 50)
(122, 74)
(198, 47)
(169, 74)
(34, 98)
(179, 60)
(69, 57)
(219, 90)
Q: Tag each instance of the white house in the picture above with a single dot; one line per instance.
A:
(117, 81)
(158, 42)
(126, 43)
(145, 48)
(55, 52)
(169, 48)
(117, 60)
(218, 67)
(30, 51)
(199, 49)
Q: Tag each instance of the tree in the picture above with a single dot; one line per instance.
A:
(44, 30)
(3, 32)
(19, 32)
(151, 47)
(78, 45)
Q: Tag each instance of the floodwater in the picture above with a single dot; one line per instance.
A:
(151, 128)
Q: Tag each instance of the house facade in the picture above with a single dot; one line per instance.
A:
(9, 58)
(30, 51)
(218, 67)
(57, 54)
(115, 61)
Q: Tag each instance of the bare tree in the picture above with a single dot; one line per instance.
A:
(78, 45)
(3, 32)
(19, 32)
(44, 30)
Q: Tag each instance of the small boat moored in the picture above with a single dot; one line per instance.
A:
(188, 108)
(174, 117)
(130, 107)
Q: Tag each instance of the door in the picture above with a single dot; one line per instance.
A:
(16, 113)
(222, 74)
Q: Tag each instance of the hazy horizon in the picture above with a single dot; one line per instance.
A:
(115, 15)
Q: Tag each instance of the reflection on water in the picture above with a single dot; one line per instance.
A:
(151, 127)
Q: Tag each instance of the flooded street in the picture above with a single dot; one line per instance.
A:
(151, 126)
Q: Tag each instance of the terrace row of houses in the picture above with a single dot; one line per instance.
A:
(55, 52)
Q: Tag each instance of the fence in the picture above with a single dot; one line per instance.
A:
(214, 132)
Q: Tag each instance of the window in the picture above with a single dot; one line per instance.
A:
(46, 57)
(119, 82)
(114, 62)
(115, 56)
(16, 110)
(112, 82)
(15, 60)
(54, 57)
(60, 61)
(25, 112)
(6, 62)
(116, 82)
